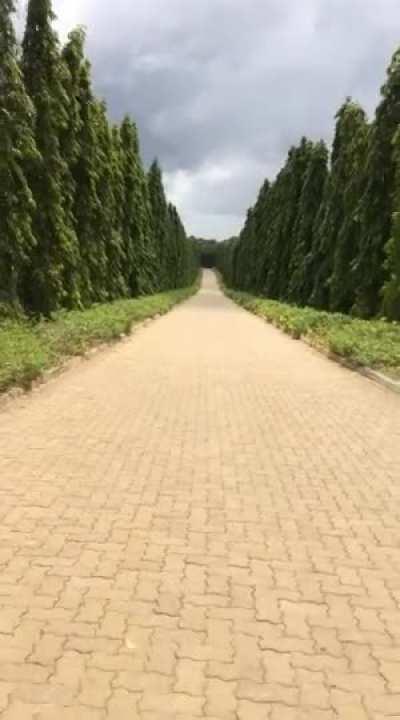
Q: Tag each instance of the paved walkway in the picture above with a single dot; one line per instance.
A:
(202, 522)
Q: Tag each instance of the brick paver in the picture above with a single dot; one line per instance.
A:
(202, 522)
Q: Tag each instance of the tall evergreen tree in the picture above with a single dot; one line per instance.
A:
(336, 210)
(69, 136)
(261, 239)
(117, 258)
(107, 216)
(53, 272)
(181, 251)
(376, 203)
(159, 223)
(309, 205)
(249, 248)
(267, 225)
(77, 154)
(349, 185)
(348, 259)
(16, 147)
(226, 260)
(391, 300)
(287, 191)
(245, 252)
(88, 164)
(136, 222)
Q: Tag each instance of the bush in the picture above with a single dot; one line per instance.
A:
(372, 343)
(28, 349)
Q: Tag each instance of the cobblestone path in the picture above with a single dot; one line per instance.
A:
(201, 522)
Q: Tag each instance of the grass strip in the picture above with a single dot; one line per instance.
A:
(28, 350)
(362, 343)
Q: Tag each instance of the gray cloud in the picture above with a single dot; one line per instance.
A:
(221, 89)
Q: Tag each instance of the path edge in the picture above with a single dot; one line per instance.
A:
(375, 375)
(18, 392)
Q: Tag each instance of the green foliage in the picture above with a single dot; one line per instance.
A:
(335, 231)
(85, 163)
(226, 261)
(79, 221)
(327, 234)
(159, 223)
(183, 264)
(376, 202)
(27, 350)
(372, 343)
(311, 195)
(112, 149)
(51, 280)
(349, 160)
(16, 147)
(207, 251)
(136, 229)
(247, 257)
(391, 298)
(288, 190)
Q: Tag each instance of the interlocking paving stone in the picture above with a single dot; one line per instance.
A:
(201, 522)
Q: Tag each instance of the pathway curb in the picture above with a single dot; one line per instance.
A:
(367, 372)
(68, 363)
(381, 379)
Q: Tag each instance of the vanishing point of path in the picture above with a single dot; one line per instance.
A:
(201, 522)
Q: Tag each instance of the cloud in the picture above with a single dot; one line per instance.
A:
(221, 89)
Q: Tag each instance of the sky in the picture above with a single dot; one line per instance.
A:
(220, 89)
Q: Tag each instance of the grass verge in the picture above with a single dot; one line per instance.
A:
(362, 343)
(28, 350)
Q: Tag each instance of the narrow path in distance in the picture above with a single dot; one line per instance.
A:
(201, 522)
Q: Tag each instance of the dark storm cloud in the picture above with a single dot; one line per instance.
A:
(221, 88)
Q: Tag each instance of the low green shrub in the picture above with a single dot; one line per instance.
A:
(28, 349)
(372, 343)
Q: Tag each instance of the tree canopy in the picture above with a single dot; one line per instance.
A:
(326, 231)
(81, 221)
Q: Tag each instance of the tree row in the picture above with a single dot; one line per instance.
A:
(326, 232)
(80, 219)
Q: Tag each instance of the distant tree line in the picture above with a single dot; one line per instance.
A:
(80, 220)
(207, 251)
(326, 232)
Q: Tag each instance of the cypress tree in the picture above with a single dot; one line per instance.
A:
(159, 223)
(16, 146)
(309, 204)
(69, 135)
(250, 245)
(261, 227)
(107, 215)
(117, 259)
(244, 248)
(275, 237)
(348, 259)
(175, 247)
(181, 251)
(226, 260)
(287, 194)
(391, 299)
(266, 233)
(78, 142)
(376, 203)
(136, 220)
(87, 122)
(353, 131)
(298, 166)
(101, 241)
(55, 260)
(337, 211)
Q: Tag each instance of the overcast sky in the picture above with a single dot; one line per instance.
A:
(221, 88)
